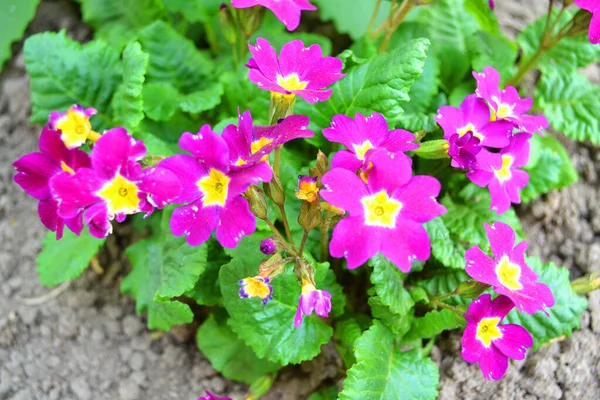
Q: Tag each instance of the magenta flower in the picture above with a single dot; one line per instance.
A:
(287, 11)
(362, 134)
(311, 300)
(463, 150)
(507, 104)
(507, 272)
(257, 286)
(487, 342)
(210, 396)
(386, 214)
(35, 170)
(592, 6)
(268, 246)
(212, 189)
(501, 174)
(491, 3)
(115, 186)
(474, 116)
(300, 70)
(250, 144)
(74, 125)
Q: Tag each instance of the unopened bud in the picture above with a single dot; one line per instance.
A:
(258, 204)
(471, 288)
(227, 23)
(274, 190)
(310, 215)
(304, 271)
(269, 245)
(586, 284)
(322, 165)
(272, 266)
(251, 19)
(581, 23)
(433, 149)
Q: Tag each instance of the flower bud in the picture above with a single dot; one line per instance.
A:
(268, 246)
(310, 215)
(251, 19)
(471, 288)
(274, 190)
(433, 149)
(581, 23)
(586, 283)
(322, 165)
(227, 23)
(257, 202)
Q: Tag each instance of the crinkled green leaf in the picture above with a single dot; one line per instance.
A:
(351, 16)
(433, 323)
(127, 103)
(156, 146)
(193, 11)
(164, 313)
(240, 93)
(201, 100)
(444, 282)
(15, 15)
(330, 393)
(160, 100)
(549, 168)
(571, 103)
(389, 285)
(228, 354)
(64, 72)
(564, 316)
(208, 288)
(65, 259)
(397, 323)
(346, 333)
(383, 372)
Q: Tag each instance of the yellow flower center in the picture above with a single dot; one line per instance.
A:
(259, 144)
(66, 168)
(75, 128)
(508, 274)
(291, 82)
(308, 191)
(361, 149)
(504, 174)
(214, 186)
(307, 287)
(381, 210)
(487, 331)
(239, 161)
(504, 111)
(121, 196)
(469, 128)
(256, 288)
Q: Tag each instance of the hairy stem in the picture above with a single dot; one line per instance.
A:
(286, 225)
(397, 19)
(282, 239)
(303, 244)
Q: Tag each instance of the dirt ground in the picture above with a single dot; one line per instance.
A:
(84, 341)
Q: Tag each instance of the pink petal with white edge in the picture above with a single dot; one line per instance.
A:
(235, 222)
(514, 342)
(355, 241)
(195, 222)
(407, 242)
(344, 190)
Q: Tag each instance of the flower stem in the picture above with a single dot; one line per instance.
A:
(277, 233)
(374, 17)
(397, 19)
(303, 244)
(324, 240)
(286, 225)
(277, 160)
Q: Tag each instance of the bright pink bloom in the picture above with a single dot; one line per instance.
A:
(210, 396)
(311, 300)
(212, 188)
(507, 272)
(386, 214)
(463, 150)
(592, 6)
(299, 70)
(501, 174)
(115, 186)
(507, 104)
(35, 170)
(250, 144)
(287, 11)
(474, 116)
(491, 3)
(74, 125)
(362, 134)
(487, 342)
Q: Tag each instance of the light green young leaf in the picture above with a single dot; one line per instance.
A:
(201, 100)
(433, 323)
(389, 285)
(15, 15)
(228, 354)
(383, 372)
(127, 103)
(397, 323)
(65, 259)
(484, 15)
(571, 103)
(64, 72)
(160, 100)
(352, 16)
(564, 316)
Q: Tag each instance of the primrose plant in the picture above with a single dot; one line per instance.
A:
(364, 200)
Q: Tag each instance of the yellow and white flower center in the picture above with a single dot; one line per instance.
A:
(361, 149)
(256, 288)
(307, 287)
(291, 82)
(469, 128)
(487, 331)
(66, 168)
(121, 196)
(381, 210)
(215, 187)
(504, 173)
(508, 274)
(259, 144)
(75, 128)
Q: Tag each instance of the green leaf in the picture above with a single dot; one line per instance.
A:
(65, 259)
(397, 323)
(240, 93)
(346, 333)
(228, 354)
(15, 15)
(202, 100)
(193, 11)
(383, 372)
(208, 288)
(549, 168)
(389, 285)
(160, 100)
(433, 323)
(493, 51)
(564, 315)
(444, 282)
(571, 103)
(351, 16)
(127, 103)
(163, 314)
(372, 86)
(156, 146)
(174, 59)
(484, 15)
(330, 393)
(63, 73)
(269, 330)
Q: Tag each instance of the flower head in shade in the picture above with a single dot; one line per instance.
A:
(592, 6)
(463, 150)
(35, 170)
(362, 134)
(507, 104)
(507, 272)
(212, 190)
(473, 116)
(299, 70)
(249, 144)
(311, 300)
(386, 214)
(74, 125)
(287, 11)
(257, 286)
(115, 186)
(268, 246)
(488, 342)
(210, 396)
(307, 188)
(501, 174)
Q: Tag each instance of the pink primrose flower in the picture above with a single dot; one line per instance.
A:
(74, 125)
(311, 300)
(463, 150)
(287, 11)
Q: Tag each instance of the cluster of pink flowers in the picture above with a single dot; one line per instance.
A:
(484, 340)
(481, 138)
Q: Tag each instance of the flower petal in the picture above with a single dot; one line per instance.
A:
(195, 222)
(347, 160)
(265, 58)
(355, 241)
(514, 342)
(207, 146)
(480, 266)
(404, 244)
(493, 363)
(189, 171)
(235, 222)
(113, 151)
(501, 237)
(418, 198)
(479, 308)
(344, 189)
(390, 170)
(33, 172)
(471, 347)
